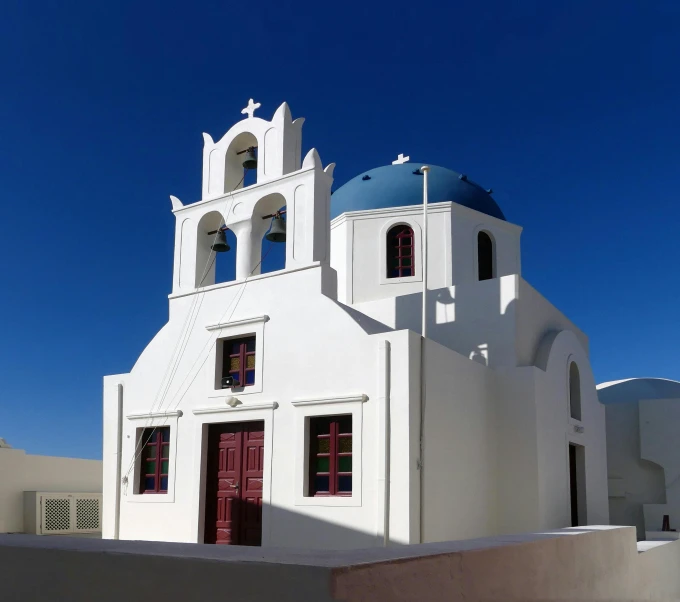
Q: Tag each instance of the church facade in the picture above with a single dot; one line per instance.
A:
(302, 407)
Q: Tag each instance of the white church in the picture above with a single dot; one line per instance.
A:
(313, 406)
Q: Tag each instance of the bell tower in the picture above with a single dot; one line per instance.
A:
(271, 149)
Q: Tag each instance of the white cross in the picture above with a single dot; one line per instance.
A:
(401, 159)
(250, 109)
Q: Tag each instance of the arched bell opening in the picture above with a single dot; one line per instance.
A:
(272, 211)
(240, 162)
(225, 261)
(216, 251)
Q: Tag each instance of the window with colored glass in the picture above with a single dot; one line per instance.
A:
(238, 360)
(400, 252)
(330, 456)
(155, 460)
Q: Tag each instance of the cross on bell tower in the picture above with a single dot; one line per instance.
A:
(250, 109)
(401, 159)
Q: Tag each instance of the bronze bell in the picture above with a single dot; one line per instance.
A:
(277, 232)
(250, 160)
(221, 245)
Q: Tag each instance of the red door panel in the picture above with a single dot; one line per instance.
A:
(233, 508)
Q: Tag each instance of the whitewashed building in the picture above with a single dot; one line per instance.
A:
(643, 453)
(303, 408)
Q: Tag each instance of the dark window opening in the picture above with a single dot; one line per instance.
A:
(330, 456)
(400, 252)
(574, 391)
(238, 362)
(485, 256)
(155, 460)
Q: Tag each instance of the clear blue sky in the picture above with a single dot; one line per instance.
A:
(568, 110)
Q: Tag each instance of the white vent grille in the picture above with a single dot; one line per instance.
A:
(62, 513)
(57, 515)
(87, 514)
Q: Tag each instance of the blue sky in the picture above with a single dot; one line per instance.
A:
(567, 110)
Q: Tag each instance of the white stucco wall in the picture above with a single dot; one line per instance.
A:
(556, 429)
(535, 317)
(659, 420)
(358, 240)
(315, 328)
(21, 472)
(634, 481)
(477, 319)
(642, 451)
(460, 470)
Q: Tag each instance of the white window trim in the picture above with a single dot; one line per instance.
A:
(232, 330)
(204, 417)
(329, 406)
(417, 248)
(134, 434)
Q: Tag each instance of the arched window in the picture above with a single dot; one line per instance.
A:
(485, 256)
(574, 391)
(400, 252)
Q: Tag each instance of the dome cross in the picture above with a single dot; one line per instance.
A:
(401, 159)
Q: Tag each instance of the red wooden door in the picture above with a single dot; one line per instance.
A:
(233, 512)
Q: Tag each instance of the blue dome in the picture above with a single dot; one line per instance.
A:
(398, 186)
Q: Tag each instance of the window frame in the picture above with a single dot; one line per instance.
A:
(154, 436)
(132, 443)
(327, 406)
(390, 249)
(411, 222)
(242, 355)
(334, 473)
(252, 326)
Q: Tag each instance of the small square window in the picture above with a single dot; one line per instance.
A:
(155, 466)
(330, 456)
(238, 362)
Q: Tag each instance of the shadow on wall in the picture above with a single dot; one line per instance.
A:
(246, 523)
(472, 319)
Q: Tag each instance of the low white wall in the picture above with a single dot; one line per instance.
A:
(21, 472)
(597, 563)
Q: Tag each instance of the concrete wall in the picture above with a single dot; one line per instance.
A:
(601, 564)
(21, 472)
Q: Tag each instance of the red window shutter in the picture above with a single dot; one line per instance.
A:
(400, 252)
(155, 460)
(330, 456)
(239, 360)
